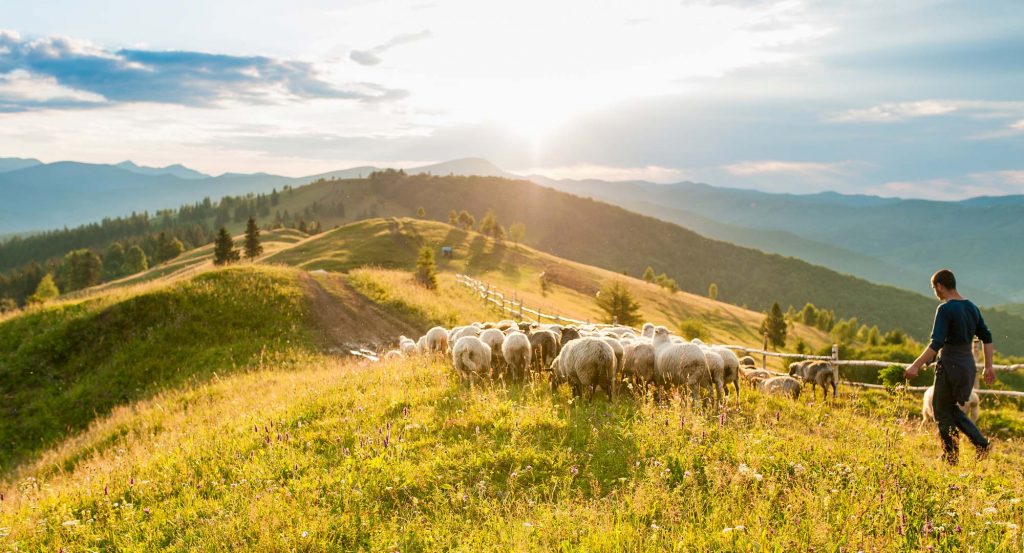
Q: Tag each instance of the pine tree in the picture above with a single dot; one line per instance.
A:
(253, 248)
(453, 218)
(618, 304)
(713, 291)
(649, 274)
(774, 325)
(134, 261)
(113, 260)
(517, 232)
(421, 212)
(45, 291)
(466, 220)
(224, 251)
(426, 268)
(83, 269)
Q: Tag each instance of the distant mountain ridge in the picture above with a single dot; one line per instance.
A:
(178, 170)
(886, 240)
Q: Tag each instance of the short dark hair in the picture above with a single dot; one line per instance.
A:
(945, 278)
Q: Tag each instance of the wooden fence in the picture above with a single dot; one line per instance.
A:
(514, 308)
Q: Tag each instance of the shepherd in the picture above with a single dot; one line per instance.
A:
(957, 322)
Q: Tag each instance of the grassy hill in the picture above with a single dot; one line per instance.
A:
(402, 456)
(394, 243)
(205, 410)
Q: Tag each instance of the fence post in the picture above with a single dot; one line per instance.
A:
(520, 309)
(835, 365)
(764, 354)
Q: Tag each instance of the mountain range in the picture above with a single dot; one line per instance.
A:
(886, 240)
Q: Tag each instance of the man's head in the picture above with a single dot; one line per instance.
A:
(943, 283)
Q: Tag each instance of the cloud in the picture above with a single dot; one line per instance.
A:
(372, 56)
(83, 70)
(651, 173)
(902, 111)
(806, 168)
(19, 89)
(988, 183)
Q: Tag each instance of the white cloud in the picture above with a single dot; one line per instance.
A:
(989, 183)
(652, 173)
(902, 111)
(20, 86)
(806, 168)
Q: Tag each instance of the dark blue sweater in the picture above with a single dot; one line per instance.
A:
(957, 322)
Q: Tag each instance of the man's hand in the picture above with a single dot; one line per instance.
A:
(990, 376)
(911, 372)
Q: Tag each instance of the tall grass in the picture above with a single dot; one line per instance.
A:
(61, 366)
(403, 456)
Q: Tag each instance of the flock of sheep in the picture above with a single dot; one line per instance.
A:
(588, 359)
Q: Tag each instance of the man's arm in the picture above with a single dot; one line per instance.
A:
(990, 373)
(927, 356)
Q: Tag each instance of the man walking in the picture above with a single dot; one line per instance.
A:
(957, 322)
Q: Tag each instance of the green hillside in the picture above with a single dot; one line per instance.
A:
(63, 366)
(600, 234)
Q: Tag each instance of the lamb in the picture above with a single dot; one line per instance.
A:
(393, 354)
(676, 363)
(516, 352)
(437, 340)
(585, 364)
(421, 344)
(638, 363)
(747, 361)
(494, 337)
(780, 385)
(471, 357)
(407, 346)
(544, 348)
(731, 371)
(817, 373)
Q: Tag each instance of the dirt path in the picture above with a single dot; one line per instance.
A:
(347, 320)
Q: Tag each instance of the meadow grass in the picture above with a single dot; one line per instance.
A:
(404, 456)
(63, 365)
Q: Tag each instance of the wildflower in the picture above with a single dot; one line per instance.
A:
(654, 526)
(527, 525)
(305, 534)
(574, 470)
(989, 511)
(70, 523)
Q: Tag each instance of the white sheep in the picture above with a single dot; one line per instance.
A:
(585, 364)
(648, 330)
(437, 340)
(677, 362)
(421, 344)
(731, 371)
(407, 346)
(516, 351)
(617, 348)
(470, 330)
(780, 385)
(471, 357)
(713, 377)
(638, 363)
(494, 337)
(393, 354)
(972, 408)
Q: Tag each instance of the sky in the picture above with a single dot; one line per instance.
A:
(916, 98)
